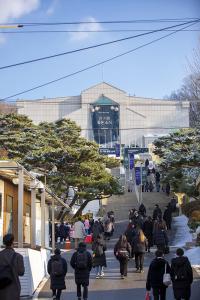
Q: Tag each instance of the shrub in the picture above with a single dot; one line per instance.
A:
(190, 207)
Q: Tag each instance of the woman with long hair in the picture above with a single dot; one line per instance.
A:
(122, 251)
(99, 257)
(139, 246)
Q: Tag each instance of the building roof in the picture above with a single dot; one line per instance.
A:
(103, 82)
(8, 171)
(103, 100)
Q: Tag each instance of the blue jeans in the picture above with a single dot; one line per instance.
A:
(99, 270)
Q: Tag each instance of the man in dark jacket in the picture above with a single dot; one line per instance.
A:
(57, 269)
(157, 213)
(8, 256)
(182, 276)
(167, 217)
(155, 276)
(81, 262)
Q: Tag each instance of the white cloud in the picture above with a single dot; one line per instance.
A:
(52, 8)
(11, 9)
(80, 36)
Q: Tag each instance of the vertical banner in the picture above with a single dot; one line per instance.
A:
(137, 176)
(131, 161)
(117, 150)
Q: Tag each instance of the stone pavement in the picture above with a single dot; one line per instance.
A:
(112, 287)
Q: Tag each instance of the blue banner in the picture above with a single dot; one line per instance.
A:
(117, 150)
(137, 176)
(131, 161)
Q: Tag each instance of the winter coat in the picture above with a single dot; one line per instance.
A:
(12, 292)
(99, 260)
(79, 230)
(160, 237)
(142, 210)
(157, 213)
(97, 229)
(81, 275)
(63, 231)
(57, 282)
(167, 216)
(138, 246)
(156, 272)
(148, 231)
(130, 233)
(125, 247)
(181, 287)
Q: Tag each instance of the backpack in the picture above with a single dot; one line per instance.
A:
(180, 273)
(82, 260)
(6, 274)
(57, 267)
(98, 251)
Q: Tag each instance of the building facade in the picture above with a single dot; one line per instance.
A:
(109, 115)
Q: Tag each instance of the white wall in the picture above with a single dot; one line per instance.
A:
(38, 225)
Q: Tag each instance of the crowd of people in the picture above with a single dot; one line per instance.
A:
(140, 235)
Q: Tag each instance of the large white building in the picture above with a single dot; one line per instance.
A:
(108, 115)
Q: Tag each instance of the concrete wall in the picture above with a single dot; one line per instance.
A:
(139, 117)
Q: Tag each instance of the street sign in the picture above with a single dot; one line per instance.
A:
(131, 161)
(135, 150)
(137, 176)
(117, 150)
(107, 151)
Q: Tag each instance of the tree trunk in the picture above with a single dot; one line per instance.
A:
(78, 213)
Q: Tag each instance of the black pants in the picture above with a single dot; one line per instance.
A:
(123, 266)
(139, 260)
(57, 293)
(159, 293)
(85, 291)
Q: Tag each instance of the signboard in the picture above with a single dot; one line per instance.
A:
(107, 151)
(131, 161)
(135, 150)
(137, 176)
(117, 150)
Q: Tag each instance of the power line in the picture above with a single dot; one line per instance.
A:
(104, 22)
(95, 65)
(96, 46)
(89, 31)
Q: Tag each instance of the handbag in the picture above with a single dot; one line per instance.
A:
(166, 277)
(148, 296)
(123, 254)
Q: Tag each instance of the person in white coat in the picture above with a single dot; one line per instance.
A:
(79, 232)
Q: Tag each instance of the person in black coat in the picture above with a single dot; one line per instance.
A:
(157, 213)
(160, 239)
(148, 232)
(182, 276)
(142, 210)
(82, 274)
(155, 276)
(99, 257)
(167, 217)
(57, 280)
(122, 252)
(139, 246)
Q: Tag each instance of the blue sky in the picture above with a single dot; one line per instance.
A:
(153, 71)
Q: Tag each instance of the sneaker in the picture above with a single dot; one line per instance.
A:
(137, 271)
(98, 276)
(141, 271)
(102, 274)
(122, 276)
